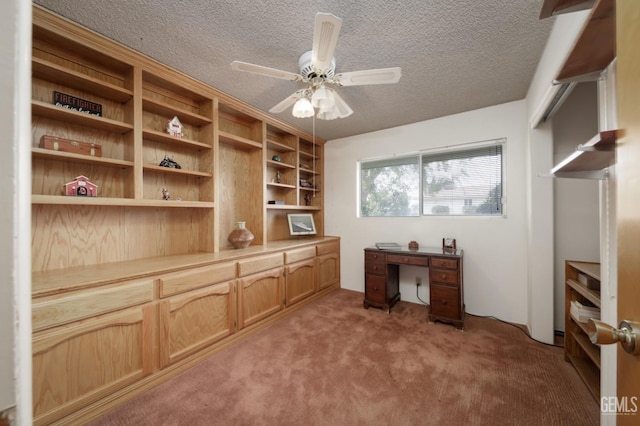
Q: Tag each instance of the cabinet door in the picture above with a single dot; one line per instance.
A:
(259, 296)
(77, 364)
(328, 270)
(299, 281)
(194, 320)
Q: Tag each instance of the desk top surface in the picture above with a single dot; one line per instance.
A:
(421, 251)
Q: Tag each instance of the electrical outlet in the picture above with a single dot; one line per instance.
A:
(418, 281)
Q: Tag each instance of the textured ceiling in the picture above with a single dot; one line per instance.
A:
(455, 55)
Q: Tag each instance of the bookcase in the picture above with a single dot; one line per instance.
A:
(582, 286)
(134, 285)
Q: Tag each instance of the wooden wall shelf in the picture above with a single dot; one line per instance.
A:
(556, 7)
(594, 48)
(590, 158)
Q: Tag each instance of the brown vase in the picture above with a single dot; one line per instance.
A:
(240, 237)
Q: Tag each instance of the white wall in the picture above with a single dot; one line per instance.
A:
(15, 213)
(576, 201)
(495, 249)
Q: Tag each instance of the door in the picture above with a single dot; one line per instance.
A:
(628, 194)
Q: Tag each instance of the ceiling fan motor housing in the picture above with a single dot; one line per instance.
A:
(309, 72)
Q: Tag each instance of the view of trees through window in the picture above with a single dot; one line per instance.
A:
(455, 182)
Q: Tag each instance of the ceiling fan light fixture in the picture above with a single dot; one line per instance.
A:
(323, 98)
(303, 108)
(328, 114)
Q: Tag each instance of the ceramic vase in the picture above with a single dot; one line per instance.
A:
(240, 237)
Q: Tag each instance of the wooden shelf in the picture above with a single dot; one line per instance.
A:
(309, 171)
(281, 185)
(116, 202)
(291, 207)
(169, 170)
(308, 155)
(280, 164)
(578, 349)
(557, 7)
(593, 156)
(238, 141)
(277, 146)
(594, 48)
(590, 349)
(60, 75)
(589, 374)
(53, 112)
(79, 158)
(169, 111)
(160, 137)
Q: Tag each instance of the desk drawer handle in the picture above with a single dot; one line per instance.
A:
(445, 301)
(375, 268)
(444, 276)
(406, 259)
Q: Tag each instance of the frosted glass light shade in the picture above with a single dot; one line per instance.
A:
(328, 113)
(323, 98)
(303, 108)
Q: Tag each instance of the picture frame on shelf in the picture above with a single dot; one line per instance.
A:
(301, 224)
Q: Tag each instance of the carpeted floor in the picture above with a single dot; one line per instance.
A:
(335, 363)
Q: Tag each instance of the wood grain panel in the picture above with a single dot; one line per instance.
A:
(328, 270)
(259, 296)
(292, 256)
(61, 309)
(195, 320)
(258, 264)
(91, 360)
(192, 279)
(300, 281)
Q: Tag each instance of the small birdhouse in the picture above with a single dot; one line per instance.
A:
(174, 127)
(81, 187)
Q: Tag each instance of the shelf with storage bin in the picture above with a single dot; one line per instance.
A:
(582, 286)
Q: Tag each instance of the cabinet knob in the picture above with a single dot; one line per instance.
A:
(604, 334)
(444, 276)
(445, 301)
(406, 259)
(375, 268)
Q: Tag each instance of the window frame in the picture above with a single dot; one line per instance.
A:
(420, 155)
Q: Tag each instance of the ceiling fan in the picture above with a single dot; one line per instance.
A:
(317, 72)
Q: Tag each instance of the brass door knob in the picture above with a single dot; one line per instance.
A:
(604, 334)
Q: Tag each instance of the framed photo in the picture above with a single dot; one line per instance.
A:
(301, 224)
(449, 243)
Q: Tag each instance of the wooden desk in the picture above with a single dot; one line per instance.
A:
(382, 272)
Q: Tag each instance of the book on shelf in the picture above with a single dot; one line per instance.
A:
(388, 246)
(582, 313)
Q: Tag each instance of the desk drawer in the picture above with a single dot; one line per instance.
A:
(375, 268)
(374, 255)
(443, 276)
(375, 288)
(445, 302)
(408, 260)
(443, 262)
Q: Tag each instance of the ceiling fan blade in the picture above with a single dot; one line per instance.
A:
(325, 37)
(266, 71)
(287, 102)
(361, 78)
(343, 109)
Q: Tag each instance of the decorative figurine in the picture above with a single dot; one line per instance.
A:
(170, 163)
(165, 194)
(174, 127)
(278, 176)
(276, 158)
(413, 245)
(307, 199)
(81, 187)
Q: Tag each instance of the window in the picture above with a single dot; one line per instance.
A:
(464, 182)
(390, 187)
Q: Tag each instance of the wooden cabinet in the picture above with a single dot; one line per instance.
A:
(194, 319)
(582, 281)
(80, 356)
(133, 285)
(300, 281)
(446, 297)
(260, 288)
(381, 281)
(327, 265)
